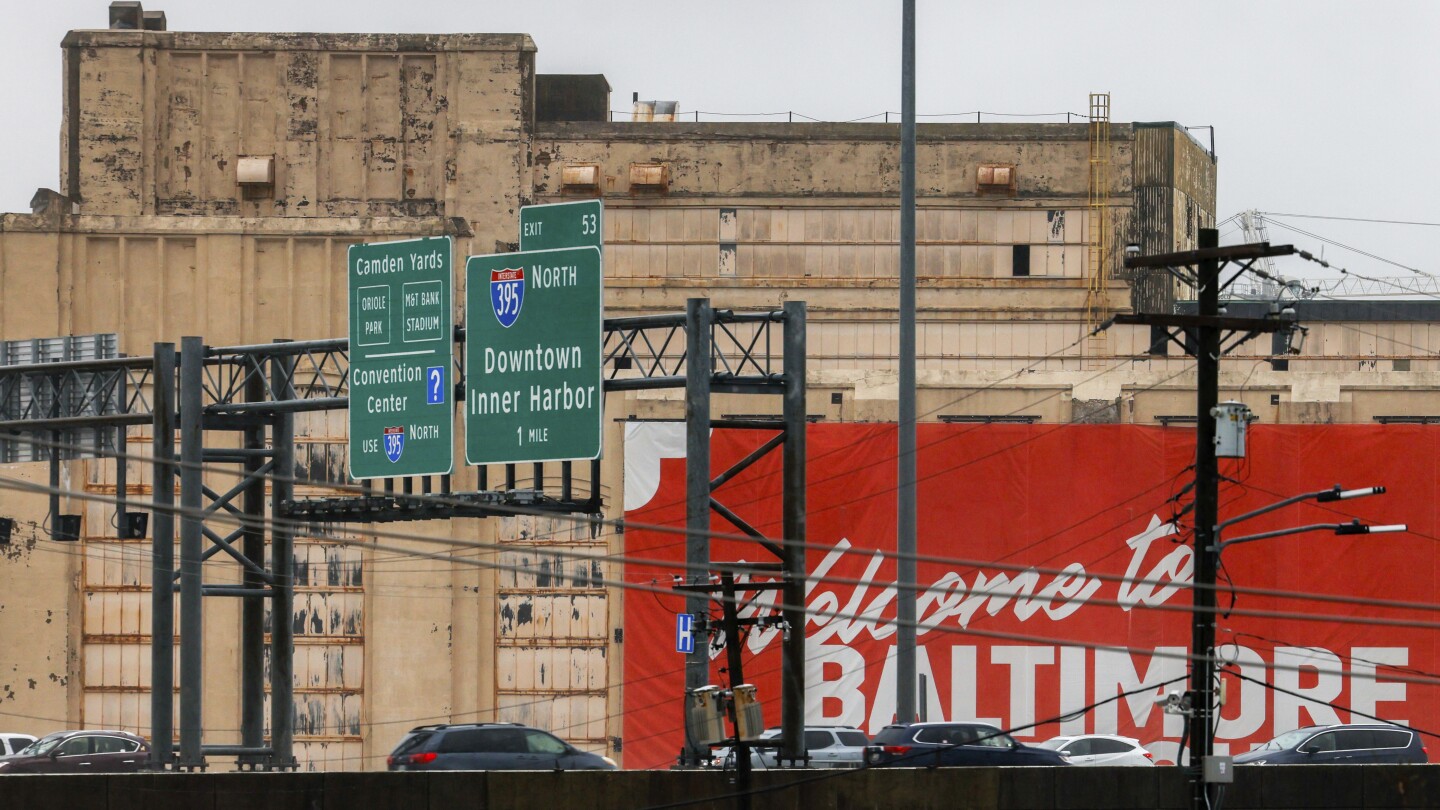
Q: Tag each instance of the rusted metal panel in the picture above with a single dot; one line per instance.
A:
(552, 618)
(329, 668)
(329, 566)
(320, 462)
(328, 619)
(114, 656)
(539, 568)
(576, 717)
(115, 564)
(332, 755)
(329, 614)
(552, 629)
(334, 716)
(126, 711)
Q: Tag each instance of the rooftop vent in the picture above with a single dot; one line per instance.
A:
(255, 175)
(128, 15)
(649, 177)
(995, 178)
(580, 176)
(654, 110)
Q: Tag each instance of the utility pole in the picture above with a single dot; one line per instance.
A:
(698, 370)
(736, 671)
(905, 479)
(730, 625)
(1207, 514)
(1209, 331)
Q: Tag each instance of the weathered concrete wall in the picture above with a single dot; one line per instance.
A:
(39, 610)
(357, 125)
(388, 137)
(793, 161)
(32, 295)
(153, 279)
(1175, 182)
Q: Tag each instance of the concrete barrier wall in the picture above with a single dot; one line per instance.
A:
(1380, 786)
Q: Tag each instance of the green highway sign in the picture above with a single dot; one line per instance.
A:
(561, 225)
(402, 420)
(533, 378)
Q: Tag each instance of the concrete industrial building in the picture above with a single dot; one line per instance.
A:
(211, 183)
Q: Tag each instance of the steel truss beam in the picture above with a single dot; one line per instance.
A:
(256, 390)
(787, 381)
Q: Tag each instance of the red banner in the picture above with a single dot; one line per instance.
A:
(1056, 560)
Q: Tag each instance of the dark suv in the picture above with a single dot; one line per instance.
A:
(924, 745)
(1358, 744)
(490, 747)
(88, 751)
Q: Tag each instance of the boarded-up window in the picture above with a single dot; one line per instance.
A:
(1159, 340)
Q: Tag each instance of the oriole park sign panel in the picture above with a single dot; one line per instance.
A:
(402, 419)
(533, 381)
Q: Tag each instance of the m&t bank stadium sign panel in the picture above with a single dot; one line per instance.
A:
(402, 419)
(533, 381)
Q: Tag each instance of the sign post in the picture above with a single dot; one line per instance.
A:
(401, 418)
(533, 375)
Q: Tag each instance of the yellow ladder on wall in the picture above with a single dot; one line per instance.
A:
(1097, 266)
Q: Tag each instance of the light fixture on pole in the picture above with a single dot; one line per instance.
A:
(1206, 655)
(1353, 527)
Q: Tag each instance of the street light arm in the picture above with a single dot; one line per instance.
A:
(1272, 507)
(1338, 528)
(1334, 493)
(1353, 527)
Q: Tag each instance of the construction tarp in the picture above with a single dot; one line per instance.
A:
(1054, 573)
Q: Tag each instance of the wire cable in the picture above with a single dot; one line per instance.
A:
(1351, 219)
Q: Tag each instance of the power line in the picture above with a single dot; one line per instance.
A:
(1378, 664)
(1029, 637)
(863, 616)
(521, 511)
(300, 527)
(1353, 219)
(1344, 246)
(1340, 706)
(454, 543)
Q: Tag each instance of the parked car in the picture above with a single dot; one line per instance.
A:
(490, 747)
(1344, 744)
(88, 751)
(11, 743)
(1100, 749)
(827, 747)
(930, 744)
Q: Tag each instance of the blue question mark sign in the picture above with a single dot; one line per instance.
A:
(435, 391)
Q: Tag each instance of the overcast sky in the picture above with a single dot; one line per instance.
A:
(1319, 108)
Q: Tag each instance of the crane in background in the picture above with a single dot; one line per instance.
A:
(1272, 286)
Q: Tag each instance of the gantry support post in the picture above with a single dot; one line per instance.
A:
(162, 561)
(698, 317)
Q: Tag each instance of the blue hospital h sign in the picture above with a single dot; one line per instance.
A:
(684, 633)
